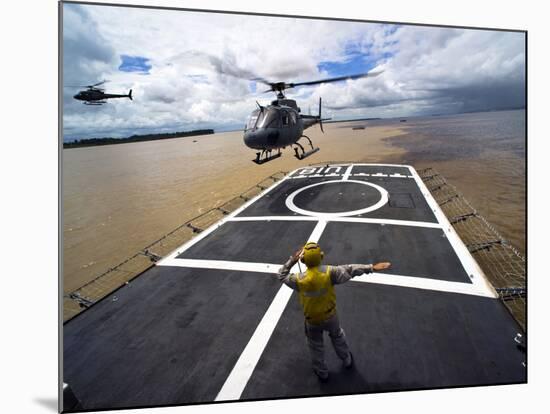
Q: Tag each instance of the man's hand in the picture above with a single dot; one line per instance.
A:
(298, 254)
(381, 266)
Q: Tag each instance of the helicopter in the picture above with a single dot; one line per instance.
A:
(281, 124)
(96, 96)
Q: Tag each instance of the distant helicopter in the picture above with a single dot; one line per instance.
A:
(280, 124)
(96, 96)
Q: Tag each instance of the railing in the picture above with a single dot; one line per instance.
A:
(102, 285)
(503, 265)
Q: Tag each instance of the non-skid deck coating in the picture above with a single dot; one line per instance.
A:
(210, 322)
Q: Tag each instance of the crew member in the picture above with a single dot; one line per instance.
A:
(315, 288)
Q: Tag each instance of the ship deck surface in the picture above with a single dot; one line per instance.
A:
(211, 322)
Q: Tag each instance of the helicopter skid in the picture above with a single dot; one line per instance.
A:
(300, 152)
(261, 159)
(305, 154)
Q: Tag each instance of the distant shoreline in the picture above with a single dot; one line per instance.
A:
(352, 120)
(94, 142)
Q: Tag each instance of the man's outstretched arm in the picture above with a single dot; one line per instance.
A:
(341, 274)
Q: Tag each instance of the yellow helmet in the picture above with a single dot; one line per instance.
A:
(312, 254)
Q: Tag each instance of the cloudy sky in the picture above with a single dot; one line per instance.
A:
(180, 65)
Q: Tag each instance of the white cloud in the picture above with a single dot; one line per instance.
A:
(426, 69)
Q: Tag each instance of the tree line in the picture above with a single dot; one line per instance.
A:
(134, 138)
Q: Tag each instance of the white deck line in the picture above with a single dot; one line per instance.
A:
(317, 231)
(341, 220)
(322, 166)
(397, 175)
(275, 218)
(471, 267)
(297, 177)
(378, 165)
(347, 173)
(376, 278)
(224, 265)
(387, 221)
(214, 226)
(236, 382)
(421, 283)
(355, 164)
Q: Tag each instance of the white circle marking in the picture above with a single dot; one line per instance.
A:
(293, 207)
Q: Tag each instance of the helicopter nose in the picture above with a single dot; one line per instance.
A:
(254, 139)
(262, 138)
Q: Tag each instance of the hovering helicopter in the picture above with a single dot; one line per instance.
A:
(96, 96)
(280, 124)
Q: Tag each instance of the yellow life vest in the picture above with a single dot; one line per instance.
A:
(317, 295)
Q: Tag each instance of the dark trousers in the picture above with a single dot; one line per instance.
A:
(314, 335)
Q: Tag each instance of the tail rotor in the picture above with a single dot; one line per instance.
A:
(320, 119)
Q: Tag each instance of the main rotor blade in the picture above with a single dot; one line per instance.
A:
(86, 86)
(337, 79)
(97, 84)
(77, 86)
(226, 66)
(281, 86)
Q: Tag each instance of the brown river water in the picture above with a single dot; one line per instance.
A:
(119, 198)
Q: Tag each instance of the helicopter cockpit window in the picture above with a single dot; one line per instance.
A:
(293, 118)
(251, 123)
(269, 119)
(285, 118)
